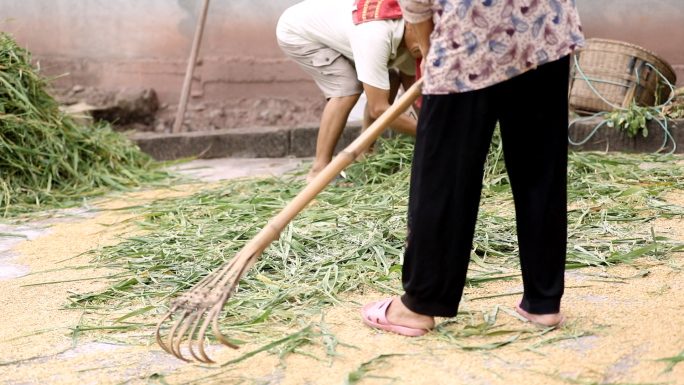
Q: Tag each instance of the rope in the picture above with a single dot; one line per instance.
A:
(651, 112)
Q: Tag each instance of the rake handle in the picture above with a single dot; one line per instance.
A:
(272, 230)
(222, 282)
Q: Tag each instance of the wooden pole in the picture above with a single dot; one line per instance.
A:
(185, 93)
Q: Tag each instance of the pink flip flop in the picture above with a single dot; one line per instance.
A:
(525, 314)
(374, 315)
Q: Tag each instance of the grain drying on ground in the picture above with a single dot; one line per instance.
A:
(297, 309)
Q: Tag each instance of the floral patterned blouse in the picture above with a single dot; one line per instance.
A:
(479, 43)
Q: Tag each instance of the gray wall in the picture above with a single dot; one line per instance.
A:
(135, 29)
(243, 76)
(657, 25)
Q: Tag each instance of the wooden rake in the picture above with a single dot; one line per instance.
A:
(201, 306)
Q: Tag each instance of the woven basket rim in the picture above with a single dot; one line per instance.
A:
(673, 74)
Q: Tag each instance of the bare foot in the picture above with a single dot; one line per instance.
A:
(543, 320)
(399, 314)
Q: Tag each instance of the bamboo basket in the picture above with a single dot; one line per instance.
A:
(618, 71)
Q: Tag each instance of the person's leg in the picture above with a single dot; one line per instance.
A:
(454, 134)
(333, 121)
(336, 76)
(534, 128)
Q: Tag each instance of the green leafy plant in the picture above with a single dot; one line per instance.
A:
(631, 120)
(675, 110)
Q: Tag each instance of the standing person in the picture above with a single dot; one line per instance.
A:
(348, 50)
(486, 61)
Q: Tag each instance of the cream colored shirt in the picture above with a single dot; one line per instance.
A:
(373, 46)
(479, 43)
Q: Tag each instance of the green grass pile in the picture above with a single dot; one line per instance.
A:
(46, 157)
(351, 239)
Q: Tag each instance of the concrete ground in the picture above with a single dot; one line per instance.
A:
(230, 168)
(300, 142)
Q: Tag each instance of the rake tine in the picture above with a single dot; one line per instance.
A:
(187, 323)
(219, 335)
(214, 315)
(200, 344)
(172, 334)
(203, 331)
(204, 357)
(166, 316)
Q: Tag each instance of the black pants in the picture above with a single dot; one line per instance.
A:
(454, 134)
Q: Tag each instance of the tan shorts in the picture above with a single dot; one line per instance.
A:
(332, 71)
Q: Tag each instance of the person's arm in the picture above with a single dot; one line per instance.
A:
(419, 14)
(422, 31)
(378, 103)
(371, 55)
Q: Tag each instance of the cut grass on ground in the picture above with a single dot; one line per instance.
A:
(351, 239)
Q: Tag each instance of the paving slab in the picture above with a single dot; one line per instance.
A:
(298, 142)
(230, 168)
(257, 142)
(607, 138)
(264, 142)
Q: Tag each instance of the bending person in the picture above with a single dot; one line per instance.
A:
(347, 55)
